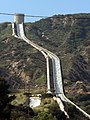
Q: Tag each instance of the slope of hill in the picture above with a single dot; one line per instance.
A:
(19, 62)
(68, 36)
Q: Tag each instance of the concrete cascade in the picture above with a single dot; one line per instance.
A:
(19, 20)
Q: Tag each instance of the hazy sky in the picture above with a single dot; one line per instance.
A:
(42, 7)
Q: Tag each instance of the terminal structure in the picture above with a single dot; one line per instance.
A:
(19, 18)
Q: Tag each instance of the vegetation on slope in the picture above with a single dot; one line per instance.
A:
(68, 36)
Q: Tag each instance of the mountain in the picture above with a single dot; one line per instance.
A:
(68, 36)
(65, 35)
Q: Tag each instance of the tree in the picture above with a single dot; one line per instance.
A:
(44, 116)
(55, 111)
(5, 100)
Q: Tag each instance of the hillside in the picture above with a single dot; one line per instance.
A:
(19, 62)
(68, 36)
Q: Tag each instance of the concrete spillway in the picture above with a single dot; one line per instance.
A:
(19, 33)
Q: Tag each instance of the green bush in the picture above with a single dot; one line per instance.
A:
(44, 116)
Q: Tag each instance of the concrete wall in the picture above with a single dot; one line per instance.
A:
(19, 18)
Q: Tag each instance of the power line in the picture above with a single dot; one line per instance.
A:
(36, 16)
(72, 17)
(24, 15)
(6, 14)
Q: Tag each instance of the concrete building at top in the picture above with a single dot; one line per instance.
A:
(19, 18)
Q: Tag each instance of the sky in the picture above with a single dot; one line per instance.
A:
(42, 8)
